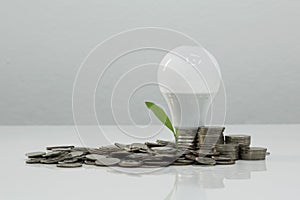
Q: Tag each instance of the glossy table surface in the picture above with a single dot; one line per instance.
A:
(275, 178)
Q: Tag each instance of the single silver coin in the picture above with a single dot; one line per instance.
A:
(53, 160)
(89, 162)
(190, 157)
(225, 162)
(75, 154)
(205, 161)
(262, 149)
(138, 156)
(221, 158)
(120, 154)
(66, 150)
(33, 161)
(207, 153)
(166, 157)
(69, 165)
(107, 161)
(165, 149)
(99, 151)
(138, 146)
(183, 162)
(73, 160)
(94, 157)
(153, 144)
(166, 143)
(156, 163)
(83, 149)
(35, 154)
(108, 149)
(121, 146)
(52, 154)
(130, 163)
(60, 147)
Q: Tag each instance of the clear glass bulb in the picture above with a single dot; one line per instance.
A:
(189, 78)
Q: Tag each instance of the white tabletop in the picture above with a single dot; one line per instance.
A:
(275, 178)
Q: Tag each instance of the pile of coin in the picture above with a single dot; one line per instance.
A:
(202, 146)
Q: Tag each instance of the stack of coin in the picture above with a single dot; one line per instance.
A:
(228, 150)
(186, 138)
(253, 153)
(208, 137)
(242, 140)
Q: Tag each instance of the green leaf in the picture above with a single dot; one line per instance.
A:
(162, 116)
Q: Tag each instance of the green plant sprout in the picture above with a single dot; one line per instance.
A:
(163, 117)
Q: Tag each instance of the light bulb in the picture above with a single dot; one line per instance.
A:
(189, 77)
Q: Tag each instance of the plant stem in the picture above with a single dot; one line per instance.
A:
(176, 142)
(176, 137)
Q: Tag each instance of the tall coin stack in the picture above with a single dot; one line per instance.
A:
(208, 137)
(187, 138)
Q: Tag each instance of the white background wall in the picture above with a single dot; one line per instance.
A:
(42, 44)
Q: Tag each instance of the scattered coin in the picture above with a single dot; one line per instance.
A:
(205, 146)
